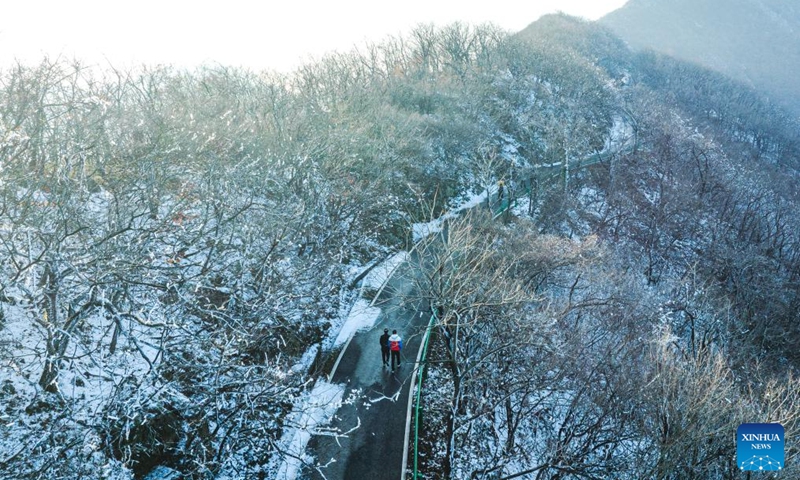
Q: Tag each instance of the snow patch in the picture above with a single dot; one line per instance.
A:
(380, 274)
(362, 317)
(305, 362)
(422, 230)
(311, 411)
(620, 136)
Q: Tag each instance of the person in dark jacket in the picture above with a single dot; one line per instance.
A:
(395, 345)
(385, 347)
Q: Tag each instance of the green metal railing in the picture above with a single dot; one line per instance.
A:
(508, 202)
(417, 400)
(505, 204)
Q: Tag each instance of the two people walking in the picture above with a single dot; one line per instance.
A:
(391, 346)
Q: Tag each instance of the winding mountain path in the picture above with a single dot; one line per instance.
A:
(377, 417)
(374, 450)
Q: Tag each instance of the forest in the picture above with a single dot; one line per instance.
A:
(179, 248)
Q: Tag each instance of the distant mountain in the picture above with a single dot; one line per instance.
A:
(753, 41)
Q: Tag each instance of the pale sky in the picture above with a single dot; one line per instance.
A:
(255, 34)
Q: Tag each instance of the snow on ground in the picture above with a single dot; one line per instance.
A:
(422, 230)
(88, 377)
(380, 274)
(317, 407)
(620, 136)
(362, 317)
(520, 207)
(313, 410)
(87, 371)
(306, 360)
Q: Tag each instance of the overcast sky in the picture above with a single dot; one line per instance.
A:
(250, 33)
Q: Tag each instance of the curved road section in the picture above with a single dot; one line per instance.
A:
(375, 416)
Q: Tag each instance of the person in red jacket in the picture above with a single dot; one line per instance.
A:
(395, 345)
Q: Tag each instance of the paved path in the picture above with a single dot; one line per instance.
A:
(374, 450)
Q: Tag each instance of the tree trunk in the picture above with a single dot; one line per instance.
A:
(48, 381)
(447, 467)
(510, 429)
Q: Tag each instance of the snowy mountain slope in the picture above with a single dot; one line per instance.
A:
(754, 41)
(178, 247)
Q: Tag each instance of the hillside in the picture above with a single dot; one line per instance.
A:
(754, 41)
(182, 248)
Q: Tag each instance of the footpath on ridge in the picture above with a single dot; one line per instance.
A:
(374, 450)
(375, 422)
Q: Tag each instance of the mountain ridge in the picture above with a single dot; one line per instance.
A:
(754, 41)
(184, 251)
